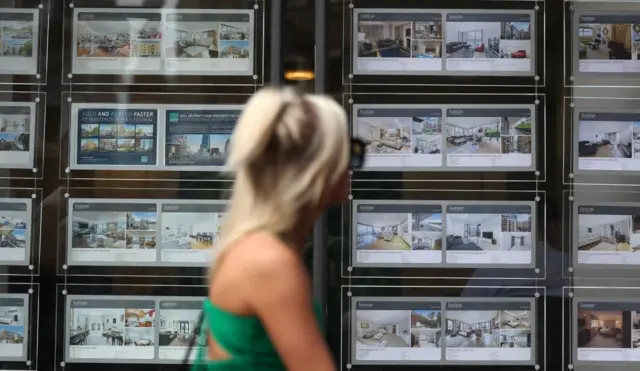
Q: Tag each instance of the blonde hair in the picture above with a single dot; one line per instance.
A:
(286, 150)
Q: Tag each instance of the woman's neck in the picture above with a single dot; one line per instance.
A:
(298, 236)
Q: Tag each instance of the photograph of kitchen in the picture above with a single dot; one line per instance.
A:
(191, 39)
(189, 231)
(606, 139)
(383, 329)
(604, 41)
(599, 329)
(479, 135)
(606, 233)
(473, 232)
(427, 135)
(96, 326)
(385, 135)
(426, 329)
(382, 231)
(177, 327)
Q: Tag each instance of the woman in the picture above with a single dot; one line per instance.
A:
(291, 155)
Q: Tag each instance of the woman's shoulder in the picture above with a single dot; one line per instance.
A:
(262, 253)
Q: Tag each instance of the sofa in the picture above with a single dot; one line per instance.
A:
(454, 46)
(586, 148)
(457, 243)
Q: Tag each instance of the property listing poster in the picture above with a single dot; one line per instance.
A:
(178, 329)
(13, 326)
(111, 329)
(608, 43)
(163, 42)
(606, 331)
(17, 134)
(15, 231)
(608, 234)
(398, 233)
(108, 232)
(18, 41)
(209, 42)
(489, 234)
(607, 141)
(190, 231)
(115, 137)
(198, 139)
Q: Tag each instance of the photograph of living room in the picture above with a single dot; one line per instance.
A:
(191, 39)
(177, 327)
(635, 329)
(382, 231)
(473, 232)
(384, 39)
(13, 229)
(473, 40)
(515, 222)
(608, 139)
(383, 328)
(385, 135)
(473, 135)
(515, 144)
(426, 222)
(98, 229)
(599, 329)
(516, 126)
(604, 41)
(515, 338)
(189, 231)
(472, 329)
(604, 233)
(426, 328)
(96, 327)
(427, 135)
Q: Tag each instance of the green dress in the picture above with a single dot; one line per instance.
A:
(243, 338)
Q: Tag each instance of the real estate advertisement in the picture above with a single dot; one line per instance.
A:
(15, 231)
(190, 231)
(396, 331)
(14, 312)
(489, 331)
(608, 234)
(17, 134)
(199, 139)
(178, 329)
(392, 234)
(607, 141)
(606, 331)
(117, 41)
(399, 136)
(607, 43)
(18, 41)
(489, 42)
(209, 42)
(108, 232)
(110, 329)
(489, 233)
(112, 138)
(490, 137)
(398, 41)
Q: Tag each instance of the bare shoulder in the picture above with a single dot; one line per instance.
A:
(264, 254)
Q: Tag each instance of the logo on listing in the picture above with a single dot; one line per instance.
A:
(366, 208)
(365, 305)
(455, 112)
(587, 18)
(366, 112)
(587, 209)
(174, 117)
(587, 306)
(454, 305)
(455, 209)
(587, 115)
(80, 206)
(367, 16)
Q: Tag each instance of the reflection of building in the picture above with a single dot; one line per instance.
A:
(511, 32)
(511, 223)
(89, 146)
(9, 337)
(233, 51)
(146, 49)
(229, 32)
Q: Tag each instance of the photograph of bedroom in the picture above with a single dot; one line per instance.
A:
(515, 144)
(385, 135)
(98, 229)
(96, 327)
(473, 40)
(426, 328)
(383, 328)
(607, 139)
(189, 231)
(516, 126)
(384, 39)
(604, 41)
(515, 320)
(604, 233)
(473, 232)
(177, 327)
(636, 139)
(473, 134)
(382, 231)
(472, 329)
(599, 329)
(427, 135)
(12, 316)
(426, 231)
